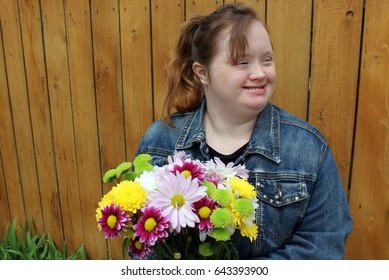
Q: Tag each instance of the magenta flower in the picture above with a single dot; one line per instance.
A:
(139, 249)
(189, 168)
(204, 208)
(152, 226)
(113, 220)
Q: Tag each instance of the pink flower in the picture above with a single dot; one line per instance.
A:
(175, 197)
(189, 168)
(152, 226)
(113, 220)
(204, 209)
(139, 249)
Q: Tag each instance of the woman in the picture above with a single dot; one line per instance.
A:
(221, 76)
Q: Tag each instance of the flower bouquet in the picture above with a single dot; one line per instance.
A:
(186, 209)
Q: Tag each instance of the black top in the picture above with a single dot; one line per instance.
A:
(227, 158)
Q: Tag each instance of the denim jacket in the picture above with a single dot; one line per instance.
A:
(303, 212)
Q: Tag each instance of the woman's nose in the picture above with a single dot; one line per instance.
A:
(257, 72)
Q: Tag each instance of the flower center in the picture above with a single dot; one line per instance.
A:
(186, 173)
(178, 200)
(150, 224)
(111, 221)
(138, 245)
(204, 212)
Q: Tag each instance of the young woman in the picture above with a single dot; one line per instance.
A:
(221, 76)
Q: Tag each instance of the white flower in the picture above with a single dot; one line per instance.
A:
(147, 180)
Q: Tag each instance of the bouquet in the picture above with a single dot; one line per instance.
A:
(186, 209)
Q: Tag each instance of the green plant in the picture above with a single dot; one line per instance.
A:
(29, 246)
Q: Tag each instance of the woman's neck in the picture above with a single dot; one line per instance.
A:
(227, 135)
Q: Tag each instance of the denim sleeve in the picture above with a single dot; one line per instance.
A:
(327, 222)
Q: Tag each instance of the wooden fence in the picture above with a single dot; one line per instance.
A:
(81, 80)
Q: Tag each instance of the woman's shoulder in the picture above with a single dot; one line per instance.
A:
(299, 126)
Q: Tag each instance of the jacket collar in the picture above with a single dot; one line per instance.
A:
(265, 139)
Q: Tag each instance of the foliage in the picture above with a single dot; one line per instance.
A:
(25, 245)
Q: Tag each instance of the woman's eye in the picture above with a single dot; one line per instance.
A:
(242, 62)
(269, 60)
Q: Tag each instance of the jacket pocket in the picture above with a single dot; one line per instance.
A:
(282, 204)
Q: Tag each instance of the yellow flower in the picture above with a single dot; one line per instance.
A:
(242, 188)
(129, 195)
(249, 231)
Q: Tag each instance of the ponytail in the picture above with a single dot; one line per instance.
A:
(184, 89)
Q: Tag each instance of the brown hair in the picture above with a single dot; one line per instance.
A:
(197, 41)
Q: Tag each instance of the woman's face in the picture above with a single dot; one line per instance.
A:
(245, 87)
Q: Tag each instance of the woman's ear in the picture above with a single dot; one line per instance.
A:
(201, 72)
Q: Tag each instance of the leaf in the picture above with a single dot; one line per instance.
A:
(142, 163)
(122, 167)
(109, 176)
(130, 176)
(13, 238)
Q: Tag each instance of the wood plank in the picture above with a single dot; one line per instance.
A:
(11, 204)
(83, 199)
(20, 110)
(290, 30)
(202, 7)
(53, 21)
(334, 77)
(137, 71)
(167, 19)
(369, 195)
(5, 216)
(109, 95)
(40, 116)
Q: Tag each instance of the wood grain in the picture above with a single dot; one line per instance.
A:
(287, 21)
(167, 18)
(24, 187)
(135, 22)
(334, 78)
(369, 196)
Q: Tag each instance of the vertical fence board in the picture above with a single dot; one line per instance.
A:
(167, 16)
(5, 216)
(201, 7)
(369, 195)
(53, 20)
(12, 203)
(85, 127)
(108, 89)
(20, 111)
(335, 60)
(40, 115)
(287, 21)
(137, 75)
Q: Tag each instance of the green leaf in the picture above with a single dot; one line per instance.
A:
(142, 163)
(130, 176)
(109, 176)
(13, 238)
(122, 168)
(205, 249)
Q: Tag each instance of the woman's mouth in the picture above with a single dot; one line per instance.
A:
(256, 89)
